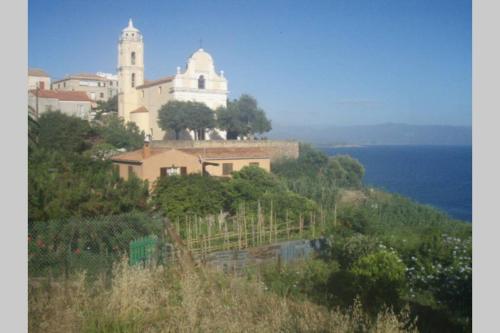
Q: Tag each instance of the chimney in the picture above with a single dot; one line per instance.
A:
(146, 149)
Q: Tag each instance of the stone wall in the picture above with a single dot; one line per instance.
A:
(277, 149)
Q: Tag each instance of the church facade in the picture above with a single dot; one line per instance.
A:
(139, 100)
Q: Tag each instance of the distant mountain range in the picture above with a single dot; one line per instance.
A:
(382, 134)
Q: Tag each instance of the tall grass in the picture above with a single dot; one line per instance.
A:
(162, 299)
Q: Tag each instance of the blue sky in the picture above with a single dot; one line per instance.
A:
(352, 62)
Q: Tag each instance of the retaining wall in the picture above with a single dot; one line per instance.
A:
(277, 148)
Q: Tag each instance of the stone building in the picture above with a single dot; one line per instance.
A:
(139, 100)
(72, 103)
(38, 78)
(98, 87)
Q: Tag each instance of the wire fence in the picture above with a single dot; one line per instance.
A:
(60, 247)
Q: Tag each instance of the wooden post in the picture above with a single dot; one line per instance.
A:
(188, 223)
(245, 226)
(253, 232)
(287, 225)
(209, 233)
(271, 224)
(301, 225)
(313, 225)
(335, 215)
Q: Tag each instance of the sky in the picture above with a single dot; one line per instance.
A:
(349, 62)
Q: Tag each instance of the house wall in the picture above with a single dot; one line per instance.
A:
(238, 164)
(75, 108)
(34, 81)
(171, 158)
(124, 167)
(93, 88)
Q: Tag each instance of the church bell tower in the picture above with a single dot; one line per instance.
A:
(130, 69)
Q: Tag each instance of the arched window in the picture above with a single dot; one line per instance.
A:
(201, 82)
(133, 80)
(132, 58)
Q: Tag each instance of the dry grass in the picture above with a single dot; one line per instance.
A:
(171, 300)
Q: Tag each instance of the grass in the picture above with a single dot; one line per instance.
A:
(171, 299)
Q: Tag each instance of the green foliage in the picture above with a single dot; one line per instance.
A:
(347, 249)
(71, 185)
(199, 117)
(64, 133)
(380, 279)
(92, 244)
(180, 115)
(178, 196)
(243, 117)
(318, 177)
(300, 280)
(172, 116)
(33, 132)
(106, 107)
(114, 131)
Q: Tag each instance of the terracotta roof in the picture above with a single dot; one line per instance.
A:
(228, 153)
(63, 95)
(150, 83)
(140, 109)
(83, 76)
(206, 153)
(37, 72)
(136, 155)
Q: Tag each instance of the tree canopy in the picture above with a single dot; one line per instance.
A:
(181, 115)
(114, 131)
(242, 118)
(109, 106)
(57, 131)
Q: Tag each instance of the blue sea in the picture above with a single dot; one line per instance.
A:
(440, 176)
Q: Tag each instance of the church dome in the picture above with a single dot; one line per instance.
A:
(202, 61)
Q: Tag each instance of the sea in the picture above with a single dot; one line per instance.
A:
(440, 176)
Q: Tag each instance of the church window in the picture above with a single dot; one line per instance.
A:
(159, 90)
(132, 58)
(201, 82)
(133, 80)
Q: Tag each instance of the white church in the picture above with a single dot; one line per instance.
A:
(139, 100)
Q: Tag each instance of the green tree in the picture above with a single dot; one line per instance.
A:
(380, 277)
(72, 185)
(33, 131)
(64, 133)
(180, 115)
(178, 196)
(106, 107)
(114, 131)
(243, 117)
(199, 118)
(173, 116)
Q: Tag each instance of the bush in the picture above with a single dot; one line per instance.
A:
(178, 196)
(380, 279)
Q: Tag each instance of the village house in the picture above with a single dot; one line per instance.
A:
(98, 87)
(38, 78)
(149, 163)
(71, 103)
